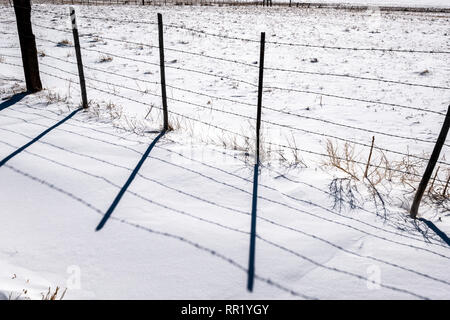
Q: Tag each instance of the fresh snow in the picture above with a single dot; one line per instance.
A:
(182, 228)
(388, 3)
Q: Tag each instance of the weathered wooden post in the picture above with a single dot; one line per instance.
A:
(22, 9)
(251, 262)
(431, 164)
(163, 73)
(78, 54)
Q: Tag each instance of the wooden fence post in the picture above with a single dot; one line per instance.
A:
(251, 260)
(431, 164)
(22, 9)
(163, 73)
(78, 54)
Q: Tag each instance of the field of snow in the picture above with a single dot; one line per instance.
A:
(392, 3)
(182, 228)
(380, 3)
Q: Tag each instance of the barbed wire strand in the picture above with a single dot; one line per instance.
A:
(266, 87)
(257, 41)
(255, 65)
(234, 114)
(270, 122)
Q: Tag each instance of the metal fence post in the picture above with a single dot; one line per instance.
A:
(431, 164)
(251, 262)
(78, 54)
(163, 73)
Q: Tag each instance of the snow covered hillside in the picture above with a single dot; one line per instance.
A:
(333, 80)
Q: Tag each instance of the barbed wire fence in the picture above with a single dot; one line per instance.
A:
(244, 82)
(64, 75)
(242, 103)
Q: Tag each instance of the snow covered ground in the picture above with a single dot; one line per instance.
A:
(392, 3)
(182, 228)
(381, 3)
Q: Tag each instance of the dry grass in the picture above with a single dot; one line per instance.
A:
(19, 296)
(55, 97)
(105, 110)
(344, 161)
(50, 294)
(53, 294)
(104, 58)
(405, 171)
(438, 192)
(64, 43)
(383, 175)
(17, 87)
(133, 125)
(114, 111)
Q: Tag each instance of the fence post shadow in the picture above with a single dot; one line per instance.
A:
(9, 157)
(251, 263)
(13, 100)
(128, 182)
(436, 230)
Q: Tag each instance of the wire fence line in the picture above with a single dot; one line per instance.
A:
(317, 46)
(272, 109)
(271, 144)
(248, 83)
(154, 46)
(276, 145)
(254, 65)
(248, 104)
(255, 40)
(268, 68)
(155, 82)
(267, 87)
